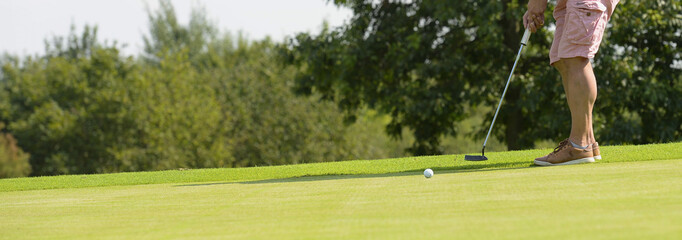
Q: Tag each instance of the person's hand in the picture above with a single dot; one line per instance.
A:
(534, 18)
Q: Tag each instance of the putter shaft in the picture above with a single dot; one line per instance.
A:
(524, 41)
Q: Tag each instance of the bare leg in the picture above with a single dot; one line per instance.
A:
(580, 86)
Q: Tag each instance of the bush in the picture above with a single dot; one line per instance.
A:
(13, 161)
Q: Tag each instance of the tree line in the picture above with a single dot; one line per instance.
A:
(196, 98)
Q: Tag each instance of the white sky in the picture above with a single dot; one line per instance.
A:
(25, 24)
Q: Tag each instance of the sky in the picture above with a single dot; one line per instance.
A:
(25, 24)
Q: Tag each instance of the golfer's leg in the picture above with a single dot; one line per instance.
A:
(580, 86)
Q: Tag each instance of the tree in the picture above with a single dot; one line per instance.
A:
(168, 35)
(68, 107)
(639, 74)
(423, 62)
(268, 123)
(84, 108)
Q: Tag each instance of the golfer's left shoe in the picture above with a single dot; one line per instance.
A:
(566, 154)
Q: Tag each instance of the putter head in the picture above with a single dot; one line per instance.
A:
(475, 158)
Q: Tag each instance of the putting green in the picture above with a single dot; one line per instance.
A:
(621, 200)
(498, 160)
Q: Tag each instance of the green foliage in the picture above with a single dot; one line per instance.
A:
(196, 99)
(13, 160)
(166, 34)
(422, 62)
(268, 124)
(640, 85)
(69, 107)
(177, 119)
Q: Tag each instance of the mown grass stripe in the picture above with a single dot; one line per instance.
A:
(498, 160)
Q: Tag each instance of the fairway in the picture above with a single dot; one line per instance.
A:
(623, 200)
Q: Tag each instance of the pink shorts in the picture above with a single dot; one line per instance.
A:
(580, 27)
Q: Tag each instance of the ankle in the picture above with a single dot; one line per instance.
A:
(583, 141)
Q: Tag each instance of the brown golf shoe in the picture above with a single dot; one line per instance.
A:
(566, 154)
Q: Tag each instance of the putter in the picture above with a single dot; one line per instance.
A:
(524, 41)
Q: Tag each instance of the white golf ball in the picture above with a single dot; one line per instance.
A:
(428, 173)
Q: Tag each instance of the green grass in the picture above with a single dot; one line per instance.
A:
(637, 200)
(498, 160)
(634, 193)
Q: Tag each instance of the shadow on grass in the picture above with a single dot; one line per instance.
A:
(438, 170)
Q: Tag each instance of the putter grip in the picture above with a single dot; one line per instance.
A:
(526, 36)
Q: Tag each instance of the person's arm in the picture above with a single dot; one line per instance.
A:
(535, 16)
